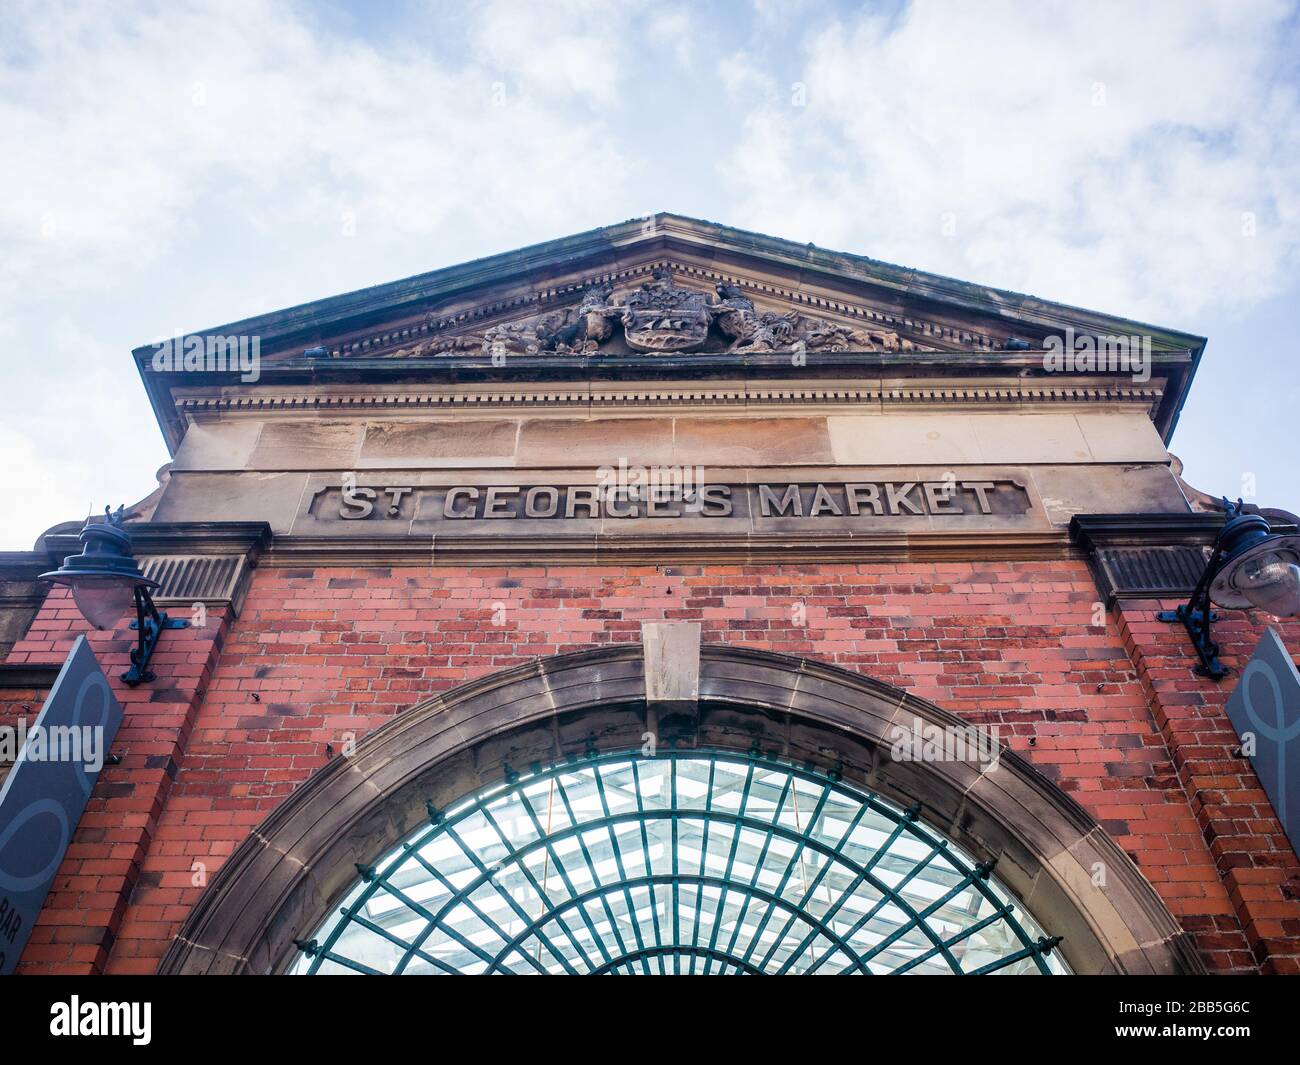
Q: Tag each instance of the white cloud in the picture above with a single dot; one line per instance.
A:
(673, 28)
(124, 126)
(741, 77)
(563, 48)
(1107, 155)
(45, 495)
(170, 167)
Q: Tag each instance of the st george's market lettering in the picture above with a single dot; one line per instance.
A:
(791, 500)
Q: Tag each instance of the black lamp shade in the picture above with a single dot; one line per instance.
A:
(104, 577)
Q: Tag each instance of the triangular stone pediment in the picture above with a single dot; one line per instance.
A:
(654, 296)
(662, 307)
(671, 285)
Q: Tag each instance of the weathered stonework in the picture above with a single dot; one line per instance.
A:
(860, 485)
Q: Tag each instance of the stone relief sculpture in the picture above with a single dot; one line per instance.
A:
(590, 327)
(659, 317)
(512, 338)
(749, 330)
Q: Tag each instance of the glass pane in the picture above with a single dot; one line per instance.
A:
(689, 862)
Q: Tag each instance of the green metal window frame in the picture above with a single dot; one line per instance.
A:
(687, 861)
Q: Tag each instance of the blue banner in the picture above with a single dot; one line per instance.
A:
(57, 761)
(1264, 708)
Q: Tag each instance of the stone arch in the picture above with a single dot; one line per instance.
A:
(283, 879)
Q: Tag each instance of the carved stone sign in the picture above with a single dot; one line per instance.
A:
(777, 504)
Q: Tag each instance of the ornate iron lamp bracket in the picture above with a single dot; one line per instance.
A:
(149, 624)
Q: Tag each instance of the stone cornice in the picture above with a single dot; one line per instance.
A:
(699, 366)
(1148, 556)
(221, 538)
(180, 554)
(1093, 531)
(267, 400)
(193, 562)
(21, 565)
(604, 382)
(643, 550)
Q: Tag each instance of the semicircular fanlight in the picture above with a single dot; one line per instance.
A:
(687, 862)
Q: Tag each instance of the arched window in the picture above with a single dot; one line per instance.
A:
(685, 862)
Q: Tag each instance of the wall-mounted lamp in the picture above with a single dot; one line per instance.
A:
(1250, 566)
(105, 580)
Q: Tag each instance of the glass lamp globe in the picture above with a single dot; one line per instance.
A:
(1272, 583)
(103, 600)
(1260, 568)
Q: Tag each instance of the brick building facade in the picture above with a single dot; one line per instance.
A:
(315, 630)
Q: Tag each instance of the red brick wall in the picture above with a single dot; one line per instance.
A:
(90, 914)
(242, 713)
(1251, 852)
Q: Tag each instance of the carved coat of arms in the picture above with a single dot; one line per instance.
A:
(661, 317)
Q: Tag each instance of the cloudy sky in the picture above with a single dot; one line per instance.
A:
(174, 166)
